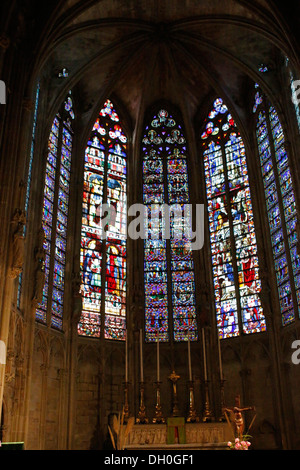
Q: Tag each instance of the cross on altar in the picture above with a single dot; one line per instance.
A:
(236, 412)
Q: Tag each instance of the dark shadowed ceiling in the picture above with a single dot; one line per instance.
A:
(178, 50)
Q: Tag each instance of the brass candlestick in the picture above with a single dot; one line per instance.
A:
(207, 415)
(222, 417)
(126, 405)
(192, 416)
(158, 417)
(142, 418)
(174, 378)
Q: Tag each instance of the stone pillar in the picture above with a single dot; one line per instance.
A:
(44, 388)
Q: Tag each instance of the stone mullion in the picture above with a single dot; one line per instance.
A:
(28, 303)
(62, 414)
(19, 393)
(70, 393)
(43, 410)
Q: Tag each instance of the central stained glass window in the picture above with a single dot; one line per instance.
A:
(232, 233)
(103, 233)
(168, 261)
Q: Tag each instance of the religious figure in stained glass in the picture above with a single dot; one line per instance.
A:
(103, 233)
(232, 233)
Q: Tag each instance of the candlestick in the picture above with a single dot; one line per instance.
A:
(222, 417)
(220, 359)
(142, 417)
(158, 417)
(126, 357)
(207, 416)
(126, 405)
(192, 416)
(189, 356)
(141, 356)
(204, 355)
(157, 357)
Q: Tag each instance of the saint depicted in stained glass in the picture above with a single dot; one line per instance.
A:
(103, 233)
(168, 263)
(232, 233)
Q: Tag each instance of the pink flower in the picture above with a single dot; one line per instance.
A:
(229, 444)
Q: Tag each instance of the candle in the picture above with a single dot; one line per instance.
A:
(126, 357)
(141, 355)
(157, 357)
(189, 356)
(204, 355)
(220, 359)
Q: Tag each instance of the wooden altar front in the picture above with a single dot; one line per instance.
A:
(198, 436)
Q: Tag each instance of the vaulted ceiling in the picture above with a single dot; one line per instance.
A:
(146, 50)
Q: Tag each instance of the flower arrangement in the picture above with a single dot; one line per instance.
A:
(238, 444)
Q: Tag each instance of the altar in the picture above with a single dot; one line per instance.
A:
(197, 436)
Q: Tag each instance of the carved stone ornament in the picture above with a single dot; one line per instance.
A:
(9, 378)
(40, 257)
(77, 297)
(17, 243)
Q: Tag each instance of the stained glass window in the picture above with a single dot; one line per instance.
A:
(104, 229)
(295, 92)
(232, 233)
(55, 214)
(168, 260)
(29, 177)
(281, 208)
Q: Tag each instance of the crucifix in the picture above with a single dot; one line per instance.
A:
(236, 411)
(174, 378)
